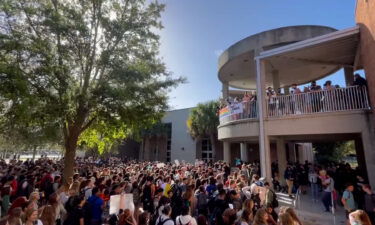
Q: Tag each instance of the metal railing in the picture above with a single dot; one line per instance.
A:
(249, 111)
(334, 100)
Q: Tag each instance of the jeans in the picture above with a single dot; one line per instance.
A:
(314, 191)
(327, 199)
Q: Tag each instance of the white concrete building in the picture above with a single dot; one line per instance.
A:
(278, 59)
(177, 143)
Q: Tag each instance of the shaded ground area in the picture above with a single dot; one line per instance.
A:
(312, 213)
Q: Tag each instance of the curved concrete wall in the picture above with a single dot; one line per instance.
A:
(324, 123)
(241, 129)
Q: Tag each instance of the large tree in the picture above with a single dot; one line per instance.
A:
(90, 67)
(203, 122)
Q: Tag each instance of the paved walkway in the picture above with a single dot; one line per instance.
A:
(312, 213)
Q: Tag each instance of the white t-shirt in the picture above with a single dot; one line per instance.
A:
(330, 184)
(185, 220)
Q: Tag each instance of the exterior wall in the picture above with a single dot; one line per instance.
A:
(183, 146)
(365, 18)
(239, 129)
(324, 123)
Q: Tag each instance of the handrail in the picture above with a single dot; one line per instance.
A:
(248, 111)
(333, 100)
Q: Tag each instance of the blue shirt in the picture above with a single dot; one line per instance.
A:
(348, 196)
(211, 189)
(96, 207)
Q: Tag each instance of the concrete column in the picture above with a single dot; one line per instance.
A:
(281, 158)
(226, 152)
(349, 76)
(275, 80)
(369, 155)
(264, 142)
(225, 90)
(360, 154)
(244, 155)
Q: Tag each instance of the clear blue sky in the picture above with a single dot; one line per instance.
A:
(197, 31)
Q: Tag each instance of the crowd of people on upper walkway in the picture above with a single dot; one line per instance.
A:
(315, 99)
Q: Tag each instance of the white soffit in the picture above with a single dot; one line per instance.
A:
(336, 48)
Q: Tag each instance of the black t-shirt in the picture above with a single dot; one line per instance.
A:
(74, 217)
(360, 82)
(315, 88)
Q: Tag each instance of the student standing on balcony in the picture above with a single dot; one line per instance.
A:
(293, 104)
(360, 82)
(328, 96)
(316, 97)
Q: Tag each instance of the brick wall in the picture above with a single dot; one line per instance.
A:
(365, 18)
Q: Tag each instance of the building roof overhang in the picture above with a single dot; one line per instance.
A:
(300, 62)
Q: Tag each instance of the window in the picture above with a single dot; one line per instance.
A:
(207, 153)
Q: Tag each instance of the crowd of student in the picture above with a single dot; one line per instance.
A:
(163, 194)
(315, 102)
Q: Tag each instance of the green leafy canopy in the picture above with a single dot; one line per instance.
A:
(88, 69)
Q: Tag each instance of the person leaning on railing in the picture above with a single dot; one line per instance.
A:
(361, 83)
(315, 98)
(294, 91)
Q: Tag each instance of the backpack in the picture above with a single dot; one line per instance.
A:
(162, 222)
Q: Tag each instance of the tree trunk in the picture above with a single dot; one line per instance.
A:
(213, 145)
(69, 157)
(34, 153)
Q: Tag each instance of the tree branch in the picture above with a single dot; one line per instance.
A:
(88, 124)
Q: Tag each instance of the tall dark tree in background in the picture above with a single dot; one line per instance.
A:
(88, 68)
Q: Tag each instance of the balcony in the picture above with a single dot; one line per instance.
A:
(325, 101)
(238, 111)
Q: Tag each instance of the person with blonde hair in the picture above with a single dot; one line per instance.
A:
(31, 217)
(48, 215)
(34, 200)
(249, 205)
(293, 214)
(359, 217)
(261, 217)
(285, 219)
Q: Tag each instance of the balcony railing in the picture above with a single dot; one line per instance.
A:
(335, 100)
(238, 111)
